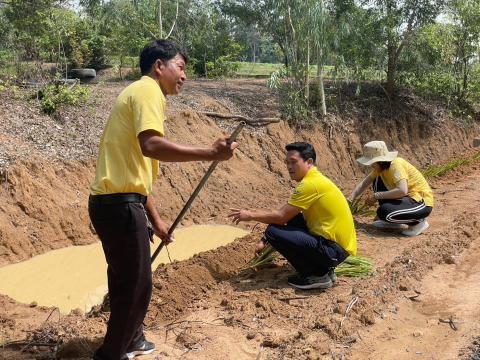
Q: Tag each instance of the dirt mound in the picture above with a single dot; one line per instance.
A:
(177, 286)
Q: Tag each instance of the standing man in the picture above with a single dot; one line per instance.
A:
(120, 206)
(314, 231)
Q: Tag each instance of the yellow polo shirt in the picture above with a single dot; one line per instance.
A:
(401, 169)
(121, 166)
(325, 210)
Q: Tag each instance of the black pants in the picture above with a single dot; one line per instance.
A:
(400, 211)
(123, 231)
(308, 254)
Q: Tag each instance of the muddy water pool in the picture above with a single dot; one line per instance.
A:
(75, 277)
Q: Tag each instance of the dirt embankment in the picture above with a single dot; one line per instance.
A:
(44, 197)
(206, 307)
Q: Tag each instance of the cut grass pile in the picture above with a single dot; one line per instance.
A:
(353, 266)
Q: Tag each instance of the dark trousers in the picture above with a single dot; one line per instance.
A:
(400, 211)
(122, 229)
(307, 253)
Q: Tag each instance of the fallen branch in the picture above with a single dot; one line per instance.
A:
(249, 121)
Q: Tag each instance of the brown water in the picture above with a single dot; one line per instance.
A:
(75, 277)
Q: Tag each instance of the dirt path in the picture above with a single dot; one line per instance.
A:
(255, 317)
(205, 308)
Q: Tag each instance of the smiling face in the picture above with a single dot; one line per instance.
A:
(296, 166)
(171, 74)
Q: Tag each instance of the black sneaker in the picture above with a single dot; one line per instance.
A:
(143, 348)
(310, 282)
(332, 275)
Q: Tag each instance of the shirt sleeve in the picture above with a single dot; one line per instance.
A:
(304, 196)
(398, 172)
(148, 112)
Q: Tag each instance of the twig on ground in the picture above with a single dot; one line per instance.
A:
(287, 299)
(249, 121)
(349, 307)
(450, 321)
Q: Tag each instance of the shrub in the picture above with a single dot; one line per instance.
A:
(54, 96)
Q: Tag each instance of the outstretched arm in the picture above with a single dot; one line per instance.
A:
(157, 147)
(280, 216)
(361, 187)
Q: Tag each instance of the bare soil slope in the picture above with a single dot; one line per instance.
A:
(206, 307)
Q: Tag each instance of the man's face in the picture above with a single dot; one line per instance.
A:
(297, 167)
(171, 74)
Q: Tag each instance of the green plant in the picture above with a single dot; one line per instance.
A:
(54, 96)
(265, 256)
(352, 266)
(439, 170)
(359, 207)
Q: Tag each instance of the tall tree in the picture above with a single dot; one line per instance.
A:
(400, 19)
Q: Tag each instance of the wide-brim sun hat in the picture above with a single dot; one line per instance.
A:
(375, 151)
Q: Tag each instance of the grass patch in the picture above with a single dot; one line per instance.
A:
(439, 170)
(358, 207)
(265, 69)
(353, 266)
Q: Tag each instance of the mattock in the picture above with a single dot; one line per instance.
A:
(199, 187)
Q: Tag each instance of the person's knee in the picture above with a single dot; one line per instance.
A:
(271, 234)
(382, 212)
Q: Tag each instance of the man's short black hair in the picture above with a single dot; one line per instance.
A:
(306, 150)
(159, 49)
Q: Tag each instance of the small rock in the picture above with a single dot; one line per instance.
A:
(403, 287)
(449, 259)
(224, 302)
(251, 335)
(417, 333)
(77, 312)
(33, 304)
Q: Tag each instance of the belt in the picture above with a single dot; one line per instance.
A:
(119, 198)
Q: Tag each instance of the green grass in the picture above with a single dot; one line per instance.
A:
(265, 69)
(352, 266)
(358, 207)
(256, 69)
(439, 170)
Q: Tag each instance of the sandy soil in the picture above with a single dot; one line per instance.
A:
(207, 307)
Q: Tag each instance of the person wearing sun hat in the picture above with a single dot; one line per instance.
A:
(404, 196)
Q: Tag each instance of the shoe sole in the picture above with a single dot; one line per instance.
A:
(389, 226)
(132, 354)
(313, 286)
(406, 233)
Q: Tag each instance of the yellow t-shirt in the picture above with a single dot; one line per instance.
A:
(401, 169)
(325, 210)
(121, 166)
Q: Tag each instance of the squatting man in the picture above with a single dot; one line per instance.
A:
(314, 230)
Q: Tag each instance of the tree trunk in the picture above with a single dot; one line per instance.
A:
(307, 74)
(321, 89)
(391, 69)
(160, 25)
